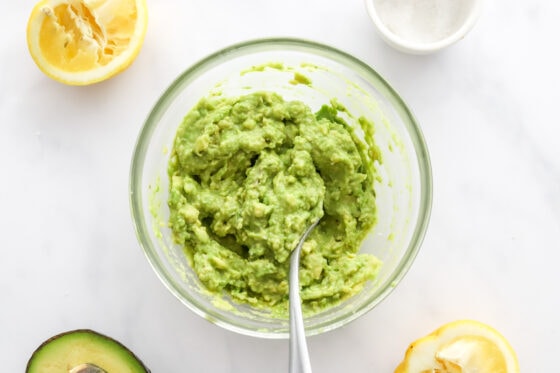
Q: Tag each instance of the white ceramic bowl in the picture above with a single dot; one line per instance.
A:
(403, 191)
(423, 26)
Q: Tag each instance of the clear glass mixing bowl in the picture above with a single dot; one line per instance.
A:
(403, 191)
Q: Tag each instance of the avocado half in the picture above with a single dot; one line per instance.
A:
(69, 351)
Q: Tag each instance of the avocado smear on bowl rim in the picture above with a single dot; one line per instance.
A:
(248, 175)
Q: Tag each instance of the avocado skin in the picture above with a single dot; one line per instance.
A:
(85, 331)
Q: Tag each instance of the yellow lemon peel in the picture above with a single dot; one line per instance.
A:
(80, 42)
(463, 346)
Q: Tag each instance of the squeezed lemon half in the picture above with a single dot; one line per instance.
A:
(464, 346)
(81, 42)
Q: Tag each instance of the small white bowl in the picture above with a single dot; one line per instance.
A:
(423, 26)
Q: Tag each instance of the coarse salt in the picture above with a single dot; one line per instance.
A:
(423, 21)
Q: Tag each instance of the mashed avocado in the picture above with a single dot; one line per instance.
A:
(248, 175)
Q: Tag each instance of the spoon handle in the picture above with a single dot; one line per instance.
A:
(299, 356)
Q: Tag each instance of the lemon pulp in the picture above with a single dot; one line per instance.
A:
(81, 41)
(463, 346)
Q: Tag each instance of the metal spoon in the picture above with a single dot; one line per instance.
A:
(86, 368)
(299, 356)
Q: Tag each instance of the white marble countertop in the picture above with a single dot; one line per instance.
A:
(487, 106)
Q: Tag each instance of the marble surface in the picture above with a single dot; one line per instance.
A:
(487, 106)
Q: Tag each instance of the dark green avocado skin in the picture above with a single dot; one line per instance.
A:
(87, 331)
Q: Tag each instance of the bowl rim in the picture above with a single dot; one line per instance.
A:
(408, 46)
(136, 194)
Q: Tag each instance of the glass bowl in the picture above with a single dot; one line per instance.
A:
(403, 190)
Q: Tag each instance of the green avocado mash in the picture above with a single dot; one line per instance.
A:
(248, 175)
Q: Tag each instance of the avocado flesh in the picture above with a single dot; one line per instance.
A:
(65, 351)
